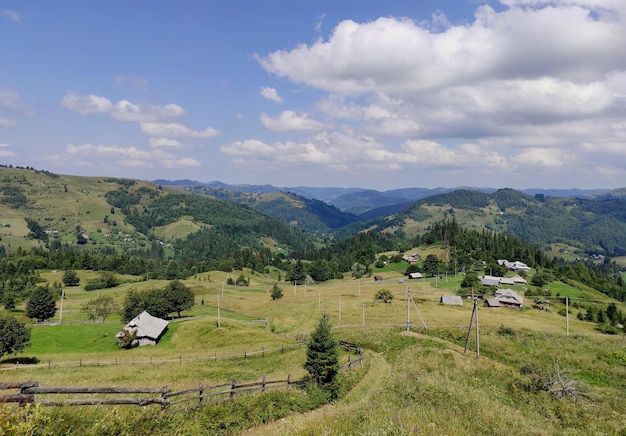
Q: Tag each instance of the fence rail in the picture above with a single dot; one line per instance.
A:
(179, 359)
(30, 392)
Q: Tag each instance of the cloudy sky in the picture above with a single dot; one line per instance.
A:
(372, 94)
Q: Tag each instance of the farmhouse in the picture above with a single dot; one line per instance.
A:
(412, 259)
(509, 298)
(514, 266)
(490, 281)
(504, 281)
(147, 329)
(415, 275)
(452, 300)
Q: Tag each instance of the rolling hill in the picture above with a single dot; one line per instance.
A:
(42, 209)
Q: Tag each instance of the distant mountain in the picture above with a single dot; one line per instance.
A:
(305, 213)
(358, 201)
(598, 224)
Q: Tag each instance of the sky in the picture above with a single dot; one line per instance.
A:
(369, 94)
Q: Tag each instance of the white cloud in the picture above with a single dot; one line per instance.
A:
(292, 121)
(270, 94)
(8, 99)
(164, 142)
(109, 155)
(12, 16)
(538, 84)
(180, 163)
(123, 110)
(7, 122)
(131, 79)
(6, 153)
(175, 130)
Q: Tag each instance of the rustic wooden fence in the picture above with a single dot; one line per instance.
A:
(185, 399)
(179, 359)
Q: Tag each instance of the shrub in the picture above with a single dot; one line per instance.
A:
(277, 292)
(384, 295)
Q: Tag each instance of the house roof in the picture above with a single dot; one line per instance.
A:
(415, 275)
(508, 296)
(507, 281)
(519, 279)
(147, 325)
(492, 302)
(490, 280)
(455, 300)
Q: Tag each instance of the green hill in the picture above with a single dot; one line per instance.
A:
(42, 209)
(589, 225)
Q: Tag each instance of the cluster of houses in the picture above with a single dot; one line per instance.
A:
(503, 297)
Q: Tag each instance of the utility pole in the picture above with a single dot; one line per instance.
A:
(61, 309)
(408, 309)
(219, 321)
(339, 307)
(566, 316)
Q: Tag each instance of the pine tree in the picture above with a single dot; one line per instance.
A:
(322, 358)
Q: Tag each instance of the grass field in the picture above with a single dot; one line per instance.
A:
(417, 381)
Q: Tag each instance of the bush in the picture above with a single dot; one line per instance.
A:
(277, 292)
(384, 295)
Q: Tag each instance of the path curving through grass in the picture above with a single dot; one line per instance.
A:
(313, 422)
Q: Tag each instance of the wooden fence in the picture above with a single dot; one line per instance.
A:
(185, 399)
(179, 359)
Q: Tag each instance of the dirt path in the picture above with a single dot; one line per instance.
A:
(363, 392)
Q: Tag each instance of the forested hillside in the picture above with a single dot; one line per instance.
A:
(596, 226)
(305, 213)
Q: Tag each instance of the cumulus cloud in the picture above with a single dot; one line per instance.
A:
(164, 142)
(175, 130)
(292, 121)
(4, 152)
(101, 155)
(522, 87)
(270, 94)
(123, 110)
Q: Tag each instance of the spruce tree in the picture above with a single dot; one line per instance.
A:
(322, 358)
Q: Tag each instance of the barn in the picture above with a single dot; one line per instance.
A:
(147, 329)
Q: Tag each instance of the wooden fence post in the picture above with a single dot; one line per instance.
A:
(263, 384)
(232, 388)
(200, 392)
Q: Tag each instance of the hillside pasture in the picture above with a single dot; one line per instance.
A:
(417, 379)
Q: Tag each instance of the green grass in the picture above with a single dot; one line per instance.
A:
(414, 382)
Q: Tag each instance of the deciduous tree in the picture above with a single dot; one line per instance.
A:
(14, 335)
(178, 296)
(41, 304)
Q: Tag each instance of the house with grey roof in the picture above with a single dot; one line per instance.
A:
(451, 300)
(147, 329)
(490, 281)
(509, 298)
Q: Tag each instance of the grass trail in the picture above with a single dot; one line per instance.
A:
(361, 396)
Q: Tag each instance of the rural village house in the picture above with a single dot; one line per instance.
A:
(505, 298)
(451, 300)
(147, 328)
(514, 266)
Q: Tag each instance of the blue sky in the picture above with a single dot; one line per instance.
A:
(381, 95)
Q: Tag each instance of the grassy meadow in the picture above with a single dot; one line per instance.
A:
(418, 381)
